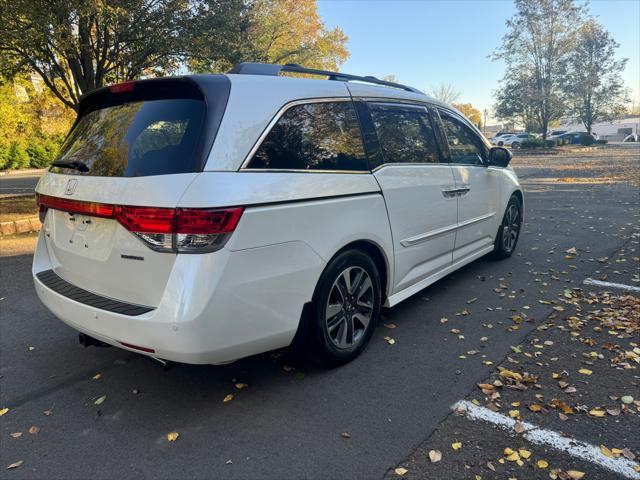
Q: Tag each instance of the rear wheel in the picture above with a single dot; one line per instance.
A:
(509, 231)
(345, 309)
(515, 145)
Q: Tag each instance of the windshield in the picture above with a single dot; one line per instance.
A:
(139, 138)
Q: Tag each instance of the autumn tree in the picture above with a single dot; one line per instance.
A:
(445, 92)
(516, 101)
(471, 112)
(272, 31)
(593, 85)
(539, 40)
(79, 45)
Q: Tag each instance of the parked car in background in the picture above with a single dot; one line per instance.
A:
(515, 141)
(632, 138)
(500, 138)
(574, 137)
(556, 133)
(205, 218)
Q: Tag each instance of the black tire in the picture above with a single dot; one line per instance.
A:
(505, 242)
(500, 143)
(323, 347)
(515, 145)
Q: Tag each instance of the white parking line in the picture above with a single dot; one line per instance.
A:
(619, 286)
(552, 439)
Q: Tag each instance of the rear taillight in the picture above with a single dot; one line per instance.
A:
(178, 230)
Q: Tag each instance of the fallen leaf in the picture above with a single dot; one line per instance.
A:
(524, 453)
(49, 412)
(542, 464)
(435, 456)
(534, 407)
(571, 251)
(3, 411)
(228, 398)
(100, 400)
(97, 376)
(606, 452)
(33, 430)
(627, 399)
(596, 412)
(519, 427)
(575, 474)
(401, 471)
(613, 411)
(585, 371)
(15, 465)
(172, 436)
(390, 340)
(16, 434)
(240, 386)
(514, 413)
(471, 300)
(456, 445)
(390, 325)
(345, 435)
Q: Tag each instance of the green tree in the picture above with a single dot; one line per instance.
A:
(516, 102)
(77, 46)
(539, 40)
(593, 85)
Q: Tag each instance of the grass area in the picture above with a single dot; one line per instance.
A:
(17, 207)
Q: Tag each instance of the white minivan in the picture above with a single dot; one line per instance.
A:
(206, 218)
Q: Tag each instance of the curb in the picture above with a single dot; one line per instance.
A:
(24, 225)
(23, 171)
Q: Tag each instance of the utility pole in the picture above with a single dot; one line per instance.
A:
(484, 123)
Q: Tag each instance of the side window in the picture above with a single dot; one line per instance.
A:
(405, 134)
(465, 147)
(313, 136)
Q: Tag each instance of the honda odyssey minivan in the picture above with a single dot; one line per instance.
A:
(206, 218)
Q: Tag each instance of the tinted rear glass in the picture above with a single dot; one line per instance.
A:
(133, 139)
(314, 136)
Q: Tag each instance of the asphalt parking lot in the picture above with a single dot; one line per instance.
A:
(106, 413)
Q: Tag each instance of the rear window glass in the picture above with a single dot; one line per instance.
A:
(154, 137)
(313, 136)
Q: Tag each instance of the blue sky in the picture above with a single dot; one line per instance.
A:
(425, 42)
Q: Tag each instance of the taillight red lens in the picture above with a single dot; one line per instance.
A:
(147, 219)
(207, 221)
(192, 225)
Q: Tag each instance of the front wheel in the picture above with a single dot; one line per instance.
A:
(515, 145)
(509, 231)
(345, 309)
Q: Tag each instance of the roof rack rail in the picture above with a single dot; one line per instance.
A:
(252, 68)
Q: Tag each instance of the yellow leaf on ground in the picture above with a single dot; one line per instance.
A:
(585, 371)
(542, 464)
(240, 386)
(514, 413)
(228, 398)
(3, 411)
(596, 412)
(534, 407)
(401, 471)
(606, 452)
(15, 465)
(100, 400)
(575, 474)
(172, 436)
(456, 445)
(524, 453)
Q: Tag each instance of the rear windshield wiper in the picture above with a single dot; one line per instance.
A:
(77, 165)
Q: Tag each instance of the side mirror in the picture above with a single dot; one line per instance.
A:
(499, 157)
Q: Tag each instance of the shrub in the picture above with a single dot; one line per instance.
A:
(532, 143)
(42, 150)
(602, 142)
(587, 140)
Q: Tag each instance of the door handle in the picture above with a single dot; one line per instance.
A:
(456, 192)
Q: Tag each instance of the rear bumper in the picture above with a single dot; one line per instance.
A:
(215, 308)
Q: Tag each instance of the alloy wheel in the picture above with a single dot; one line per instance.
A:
(349, 307)
(511, 228)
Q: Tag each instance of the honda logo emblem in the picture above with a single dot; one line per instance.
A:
(71, 186)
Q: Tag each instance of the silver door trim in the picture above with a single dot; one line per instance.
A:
(409, 242)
